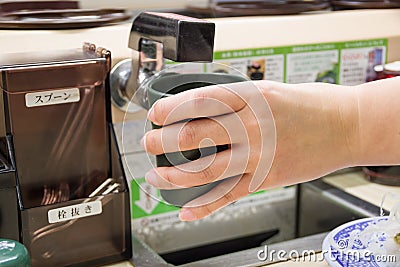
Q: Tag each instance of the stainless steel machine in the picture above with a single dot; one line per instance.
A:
(63, 191)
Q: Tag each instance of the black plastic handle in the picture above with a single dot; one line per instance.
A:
(184, 39)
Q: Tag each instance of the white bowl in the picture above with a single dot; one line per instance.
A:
(337, 250)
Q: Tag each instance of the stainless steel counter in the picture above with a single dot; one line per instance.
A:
(317, 208)
(322, 206)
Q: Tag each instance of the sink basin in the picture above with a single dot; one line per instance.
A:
(234, 237)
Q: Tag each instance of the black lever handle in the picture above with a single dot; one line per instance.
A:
(184, 39)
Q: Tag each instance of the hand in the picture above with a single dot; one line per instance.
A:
(278, 134)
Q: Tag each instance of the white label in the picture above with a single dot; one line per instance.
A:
(74, 211)
(53, 97)
(305, 67)
(357, 64)
(274, 68)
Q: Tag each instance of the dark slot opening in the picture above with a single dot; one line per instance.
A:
(217, 249)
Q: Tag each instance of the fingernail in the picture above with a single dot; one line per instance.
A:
(150, 113)
(187, 215)
(151, 177)
(143, 142)
(253, 187)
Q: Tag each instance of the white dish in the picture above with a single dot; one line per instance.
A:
(336, 250)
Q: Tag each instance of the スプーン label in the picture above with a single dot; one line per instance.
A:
(53, 97)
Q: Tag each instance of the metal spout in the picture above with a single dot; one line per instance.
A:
(155, 37)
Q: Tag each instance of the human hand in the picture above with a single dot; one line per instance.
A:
(278, 134)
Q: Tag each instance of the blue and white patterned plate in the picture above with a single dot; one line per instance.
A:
(336, 245)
